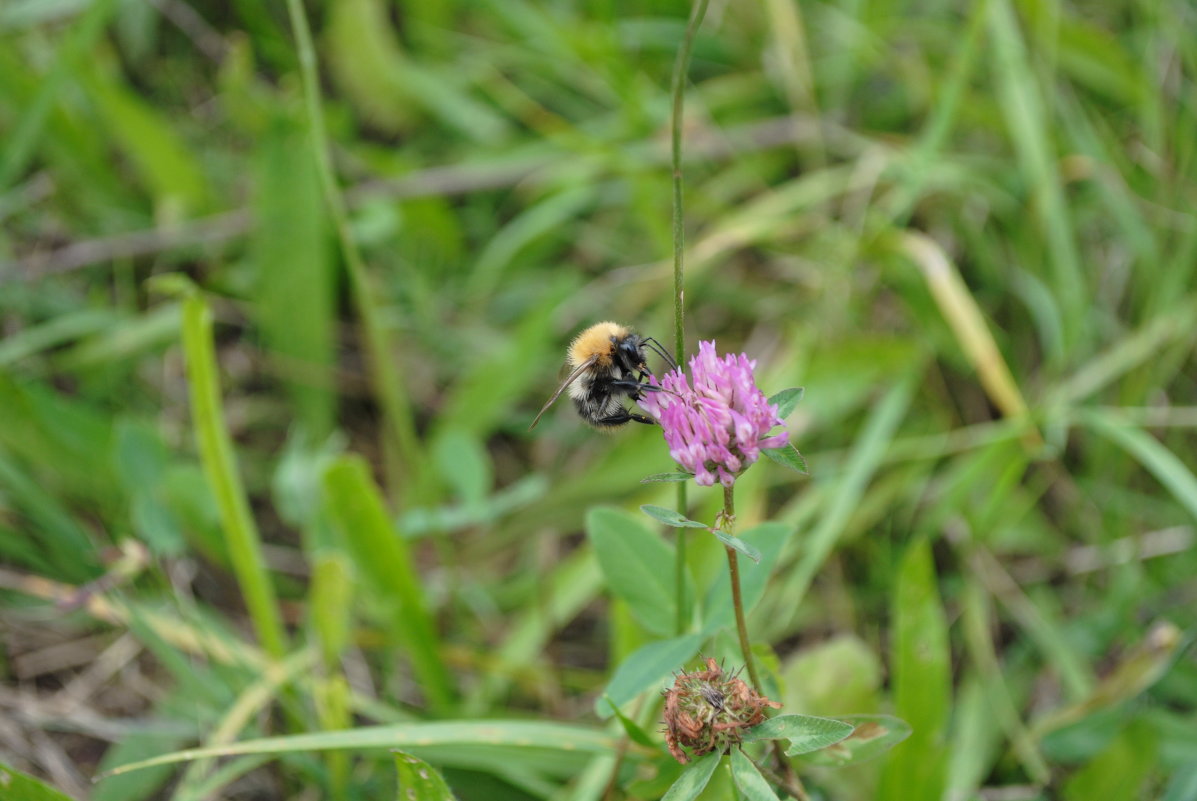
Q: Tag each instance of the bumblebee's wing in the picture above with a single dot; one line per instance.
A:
(569, 379)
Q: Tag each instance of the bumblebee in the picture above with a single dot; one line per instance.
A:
(607, 362)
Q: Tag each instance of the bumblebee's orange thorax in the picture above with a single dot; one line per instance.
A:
(596, 341)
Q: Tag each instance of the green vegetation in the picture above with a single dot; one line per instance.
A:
(273, 330)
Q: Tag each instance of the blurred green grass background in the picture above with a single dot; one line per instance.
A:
(967, 230)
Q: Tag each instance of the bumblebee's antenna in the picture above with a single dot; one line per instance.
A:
(659, 349)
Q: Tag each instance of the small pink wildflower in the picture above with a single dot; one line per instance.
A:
(716, 429)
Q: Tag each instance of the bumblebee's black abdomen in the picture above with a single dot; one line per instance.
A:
(601, 409)
(599, 396)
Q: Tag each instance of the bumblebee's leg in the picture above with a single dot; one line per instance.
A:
(624, 416)
(636, 387)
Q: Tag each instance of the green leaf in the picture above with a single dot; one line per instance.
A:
(1120, 771)
(659, 477)
(922, 680)
(57, 331)
(847, 490)
(139, 454)
(168, 166)
(156, 524)
(806, 733)
(19, 787)
(330, 602)
(1161, 462)
(768, 539)
(368, 64)
(670, 517)
(637, 565)
(735, 543)
(419, 781)
(294, 275)
(787, 456)
(748, 779)
(841, 673)
(694, 778)
(567, 588)
(655, 786)
(61, 541)
(139, 745)
(1096, 58)
(435, 89)
(646, 668)
(976, 737)
(382, 556)
(630, 727)
(26, 131)
(786, 400)
(465, 464)
(224, 476)
(487, 387)
(544, 219)
(140, 460)
(872, 735)
(1183, 784)
(1021, 101)
(411, 736)
(43, 427)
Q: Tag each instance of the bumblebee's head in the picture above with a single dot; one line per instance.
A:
(629, 354)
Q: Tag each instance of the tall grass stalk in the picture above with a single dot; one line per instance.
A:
(216, 453)
(677, 88)
(388, 386)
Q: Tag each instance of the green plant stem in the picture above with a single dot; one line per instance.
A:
(726, 522)
(681, 68)
(679, 566)
(220, 468)
(388, 386)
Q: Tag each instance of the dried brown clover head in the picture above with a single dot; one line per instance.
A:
(706, 710)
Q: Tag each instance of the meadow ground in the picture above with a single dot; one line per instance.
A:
(264, 460)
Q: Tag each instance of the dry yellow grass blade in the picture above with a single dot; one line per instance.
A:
(966, 321)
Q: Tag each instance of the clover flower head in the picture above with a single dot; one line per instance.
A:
(716, 428)
(706, 710)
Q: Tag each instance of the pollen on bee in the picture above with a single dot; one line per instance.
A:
(596, 340)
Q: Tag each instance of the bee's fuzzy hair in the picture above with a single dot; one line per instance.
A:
(597, 339)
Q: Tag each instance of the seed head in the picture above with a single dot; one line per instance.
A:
(706, 710)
